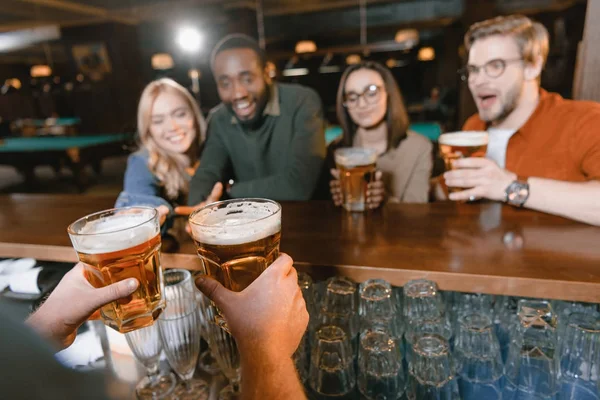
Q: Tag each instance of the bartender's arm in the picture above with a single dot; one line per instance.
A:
(267, 320)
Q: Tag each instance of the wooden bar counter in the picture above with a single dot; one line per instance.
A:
(480, 247)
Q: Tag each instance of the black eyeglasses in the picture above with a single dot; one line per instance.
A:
(493, 68)
(371, 94)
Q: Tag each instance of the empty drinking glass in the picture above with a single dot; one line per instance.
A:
(422, 299)
(340, 296)
(308, 292)
(532, 364)
(380, 373)
(580, 358)
(478, 359)
(225, 351)
(146, 346)
(375, 300)
(424, 313)
(331, 370)
(431, 371)
(505, 321)
(469, 303)
(206, 361)
(180, 332)
(339, 308)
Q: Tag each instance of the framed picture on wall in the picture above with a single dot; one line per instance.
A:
(92, 60)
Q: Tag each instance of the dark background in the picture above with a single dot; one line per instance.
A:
(134, 30)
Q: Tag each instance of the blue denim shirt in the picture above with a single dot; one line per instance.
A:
(141, 187)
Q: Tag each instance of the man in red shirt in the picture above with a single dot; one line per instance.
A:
(543, 151)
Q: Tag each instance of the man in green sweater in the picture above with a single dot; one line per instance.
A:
(266, 137)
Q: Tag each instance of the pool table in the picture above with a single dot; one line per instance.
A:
(74, 152)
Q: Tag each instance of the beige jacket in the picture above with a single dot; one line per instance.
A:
(407, 169)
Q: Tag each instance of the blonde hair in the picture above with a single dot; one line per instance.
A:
(168, 167)
(531, 37)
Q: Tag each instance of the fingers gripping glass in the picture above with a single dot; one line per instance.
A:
(371, 95)
(493, 68)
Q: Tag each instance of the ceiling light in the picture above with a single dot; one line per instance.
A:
(329, 69)
(426, 54)
(40, 71)
(162, 61)
(194, 73)
(306, 46)
(295, 72)
(189, 39)
(408, 37)
(353, 59)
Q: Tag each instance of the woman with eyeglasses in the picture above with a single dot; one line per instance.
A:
(372, 114)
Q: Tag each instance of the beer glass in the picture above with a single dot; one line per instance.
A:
(432, 373)
(117, 244)
(463, 144)
(179, 330)
(146, 345)
(332, 370)
(237, 239)
(478, 359)
(339, 308)
(580, 358)
(532, 365)
(357, 169)
(380, 372)
(225, 351)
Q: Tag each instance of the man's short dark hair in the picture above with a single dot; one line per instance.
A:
(238, 41)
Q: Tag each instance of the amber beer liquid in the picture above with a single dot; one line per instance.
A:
(357, 169)
(237, 239)
(462, 145)
(120, 244)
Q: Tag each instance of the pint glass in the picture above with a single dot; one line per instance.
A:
(118, 244)
(237, 239)
(357, 169)
(464, 144)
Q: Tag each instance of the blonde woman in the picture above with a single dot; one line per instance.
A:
(172, 132)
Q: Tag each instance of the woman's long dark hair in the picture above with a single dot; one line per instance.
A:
(396, 115)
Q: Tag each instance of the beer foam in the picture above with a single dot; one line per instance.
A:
(464, 138)
(236, 223)
(355, 157)
(115, 233)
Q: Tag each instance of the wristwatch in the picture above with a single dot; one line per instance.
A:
(517, 193)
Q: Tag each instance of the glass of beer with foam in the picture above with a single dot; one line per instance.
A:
(117, 244)
(464, 144)
(357, 168)
(237, 239)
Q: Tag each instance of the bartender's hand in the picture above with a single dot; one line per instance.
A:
(375, 190)
(215, 195)
(269, 317)
(73, 302)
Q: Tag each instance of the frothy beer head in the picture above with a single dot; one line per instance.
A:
(464, 139)
(114, 230)
(236, 222)
(351, 157)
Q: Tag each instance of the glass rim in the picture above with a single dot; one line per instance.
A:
(178, 316)
(359, 149)
(442, 343)
(224, 202)
(464, 133)
(187, 274)
(71, 231)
